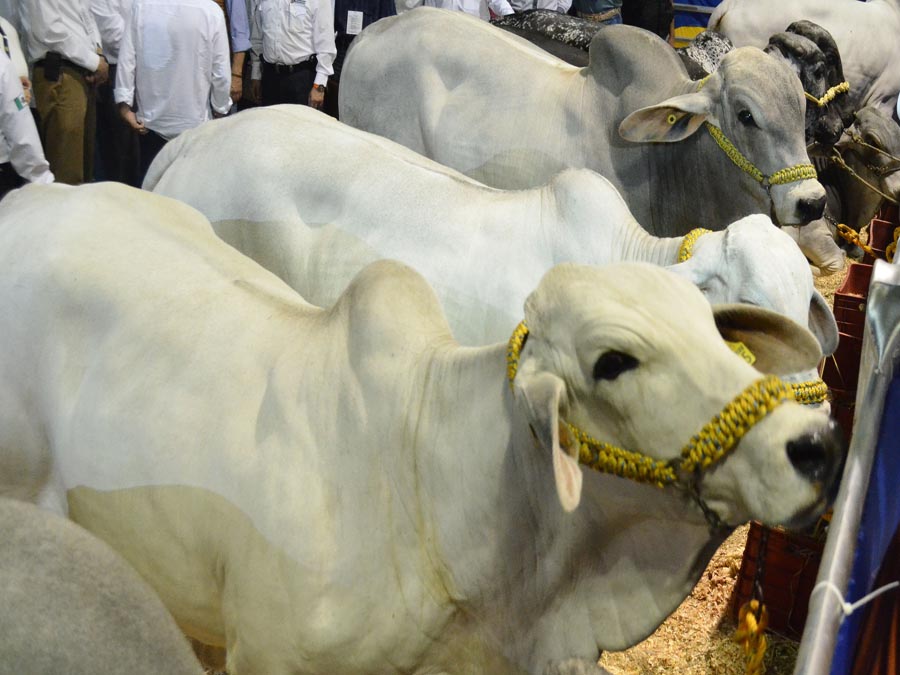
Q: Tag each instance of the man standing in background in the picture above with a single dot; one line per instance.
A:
(174, 70)
(350, 17)
(117, 144)
(294, 39)
(64, 51)
(23, 158)
(238, 23)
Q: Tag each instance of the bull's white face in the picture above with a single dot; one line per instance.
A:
(755, 263)
(643, 366)
(766, 121)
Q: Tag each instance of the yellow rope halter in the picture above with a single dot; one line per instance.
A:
(829, 95)
(707, 447)
(686, 250)
(780, 177)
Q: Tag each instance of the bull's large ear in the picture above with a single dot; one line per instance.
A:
(672, 120)
(822, 324)
(543, 394)
(780, 345)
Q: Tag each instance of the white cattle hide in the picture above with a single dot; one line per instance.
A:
(346, 490)
(314, 201)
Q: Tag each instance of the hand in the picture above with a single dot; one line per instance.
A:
(26, 88)
(316, 98)
(131, 119)
(256, 90)
(101, 75)
(237, 87)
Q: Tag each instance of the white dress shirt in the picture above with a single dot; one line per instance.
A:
(110, 16)
(20, 67)
(477, 8)
(290, 31)
(174, 64)
(66, 27)
(561, 6)
(18, 128)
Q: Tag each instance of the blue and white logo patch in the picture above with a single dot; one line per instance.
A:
(20, 102)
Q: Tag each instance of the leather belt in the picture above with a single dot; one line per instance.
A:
(285, 69)
(65, 63)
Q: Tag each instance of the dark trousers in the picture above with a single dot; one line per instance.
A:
(9, 179)
(287, 87)
(117, 144)
(342, 42)
(150, 145)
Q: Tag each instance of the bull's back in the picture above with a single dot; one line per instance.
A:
(453, 88)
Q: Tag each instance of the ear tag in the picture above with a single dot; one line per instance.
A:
(742, 350)
(672, 118)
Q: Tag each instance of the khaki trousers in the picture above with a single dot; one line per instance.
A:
(68, 119)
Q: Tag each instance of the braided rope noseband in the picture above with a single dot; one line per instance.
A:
(707, 447)
(791, 174)
(829, 95)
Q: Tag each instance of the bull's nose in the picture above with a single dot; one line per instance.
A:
(818, 456)
(811, 208)
(828, 133)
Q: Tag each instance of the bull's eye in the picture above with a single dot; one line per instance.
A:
(746, 118)
(612, 364)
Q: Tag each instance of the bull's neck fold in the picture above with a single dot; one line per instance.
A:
(611, 571)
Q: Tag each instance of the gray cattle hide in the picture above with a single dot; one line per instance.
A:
(572, 55)
(703, 54)
(570, 30)
(849, 200)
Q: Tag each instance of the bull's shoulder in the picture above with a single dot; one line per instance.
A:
(391, 308)
(623, 56)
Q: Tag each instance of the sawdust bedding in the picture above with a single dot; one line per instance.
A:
(696, 638)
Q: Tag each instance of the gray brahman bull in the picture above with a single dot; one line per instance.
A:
(346, 490)
(867, 170)
(498, 109)
(69, 605)
(865, 32)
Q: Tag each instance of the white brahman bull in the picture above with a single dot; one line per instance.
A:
(317, 200)
(865, 32)
(348, 491)
(70, 605)
(498, 109)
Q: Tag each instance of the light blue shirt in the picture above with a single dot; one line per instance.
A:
(239, 24)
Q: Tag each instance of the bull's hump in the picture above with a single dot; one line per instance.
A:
(394, 307)
(635, 57)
